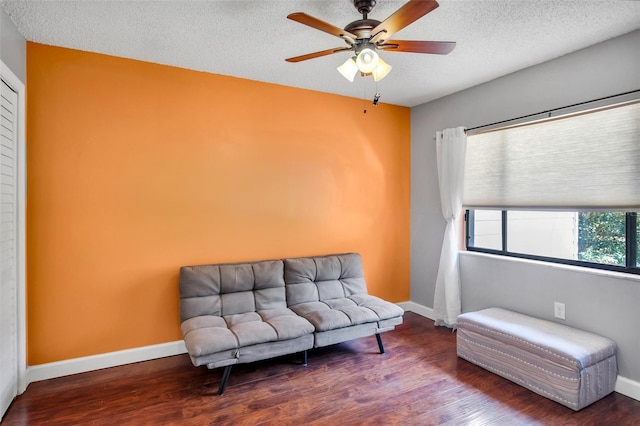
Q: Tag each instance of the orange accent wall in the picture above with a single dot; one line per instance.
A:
(135, 169)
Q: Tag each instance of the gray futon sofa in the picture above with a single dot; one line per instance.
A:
(243, 312)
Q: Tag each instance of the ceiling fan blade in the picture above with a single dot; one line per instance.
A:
(434, 47)
(410, 12)
(316, 23)
(317, 54)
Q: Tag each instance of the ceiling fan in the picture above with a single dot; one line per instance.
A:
(365, 36)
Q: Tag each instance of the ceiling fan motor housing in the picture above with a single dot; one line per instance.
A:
(359, 35)
(362, 28)
(364, 6)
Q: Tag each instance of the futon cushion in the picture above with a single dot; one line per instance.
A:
(331, 293)
(322, 316)
(230, 289)
(207, 335)
(267, 326)
(383, 309)
(288, 325)
(312, 279)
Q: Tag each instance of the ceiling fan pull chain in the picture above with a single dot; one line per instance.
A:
(364, 97)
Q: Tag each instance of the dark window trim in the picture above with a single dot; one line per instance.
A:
(470, 228)
(631, 246)
(632, 240)
(504, 218)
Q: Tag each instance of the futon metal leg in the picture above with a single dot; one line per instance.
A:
(380, 345)
(304, 358)
(225, 378)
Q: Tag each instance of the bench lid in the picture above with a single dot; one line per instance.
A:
(565, 345)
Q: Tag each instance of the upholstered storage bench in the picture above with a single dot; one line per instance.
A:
(245, 312)
(570, 366)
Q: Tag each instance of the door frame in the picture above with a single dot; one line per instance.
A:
(18, 86)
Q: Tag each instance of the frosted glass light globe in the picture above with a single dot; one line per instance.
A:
(367, 60)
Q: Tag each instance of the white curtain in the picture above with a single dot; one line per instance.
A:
(451, 145)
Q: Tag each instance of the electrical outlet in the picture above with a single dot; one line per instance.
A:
(558, 310)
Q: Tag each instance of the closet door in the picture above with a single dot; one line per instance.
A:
(8, 247)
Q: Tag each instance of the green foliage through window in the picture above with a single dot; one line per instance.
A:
(601, 237)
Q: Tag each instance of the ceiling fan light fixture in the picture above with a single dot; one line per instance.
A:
(381, 70)
(349, 69)
(367, 60)
(365, 36)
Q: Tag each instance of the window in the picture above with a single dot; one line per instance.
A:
(598, 239)
(563, 189)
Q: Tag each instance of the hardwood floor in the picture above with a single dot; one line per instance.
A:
(419, 381)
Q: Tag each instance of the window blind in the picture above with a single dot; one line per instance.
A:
(589, 160)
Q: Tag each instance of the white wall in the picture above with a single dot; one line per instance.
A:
(13, 47)
(607, 305)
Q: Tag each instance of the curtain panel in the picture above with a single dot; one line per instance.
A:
(451, 145)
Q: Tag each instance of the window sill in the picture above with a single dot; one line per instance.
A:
(572, 268)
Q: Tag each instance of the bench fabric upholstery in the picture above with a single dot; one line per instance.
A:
(570, 366)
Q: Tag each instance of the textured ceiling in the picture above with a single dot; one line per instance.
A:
(251, 39)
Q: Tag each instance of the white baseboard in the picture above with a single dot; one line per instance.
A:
(628, 387)
(52, 370)
(96, 362)
(418, 309)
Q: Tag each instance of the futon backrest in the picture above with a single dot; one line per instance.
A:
(312, 279)
(233, 288)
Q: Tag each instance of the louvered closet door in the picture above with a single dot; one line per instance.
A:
(8, 247)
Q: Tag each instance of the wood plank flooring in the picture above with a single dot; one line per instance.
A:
(419, 381)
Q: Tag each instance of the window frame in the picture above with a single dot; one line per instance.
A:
(631, 245)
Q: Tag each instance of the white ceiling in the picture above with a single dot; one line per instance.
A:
(252, 38)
